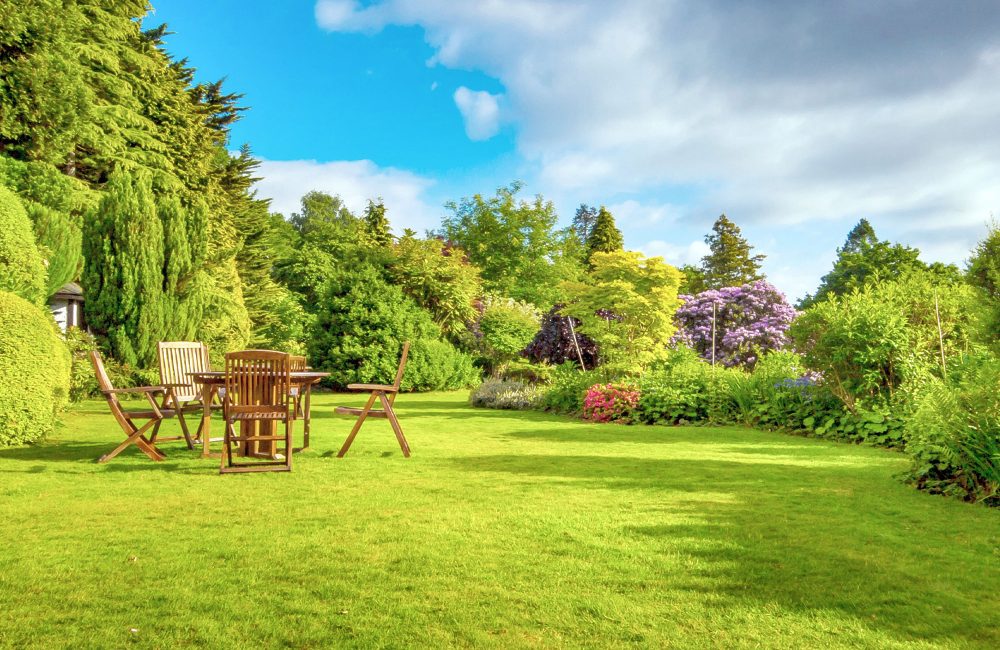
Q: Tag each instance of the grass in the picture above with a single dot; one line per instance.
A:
(503, 530)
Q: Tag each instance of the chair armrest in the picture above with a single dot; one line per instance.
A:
(381, 387)
(140, 389)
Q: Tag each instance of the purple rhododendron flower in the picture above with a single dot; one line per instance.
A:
(751, 320)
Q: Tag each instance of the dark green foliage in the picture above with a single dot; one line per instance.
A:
(604, 236)
(21, 268)
(864, 258)
(514, 244)
(361, 324)
(377, 224)
(554, 344)
(954, 433)
(730, 263)
(35, 366)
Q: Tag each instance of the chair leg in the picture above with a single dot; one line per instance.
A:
(136, 438)
(357, 425)
(387, 405)
(184, 427)
(156, 431)
(288, 443)
(227, 452)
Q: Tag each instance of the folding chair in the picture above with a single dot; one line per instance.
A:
(387, 396)
(257, 383)
(135, 435)
(177, 360)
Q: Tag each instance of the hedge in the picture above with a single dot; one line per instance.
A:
(34, 365)
(21, 268)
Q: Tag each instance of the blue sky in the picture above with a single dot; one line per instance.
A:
(795, 118)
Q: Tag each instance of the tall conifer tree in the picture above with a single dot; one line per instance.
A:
(729, 262)
(123, 271)
(604, 236)
(377, 224)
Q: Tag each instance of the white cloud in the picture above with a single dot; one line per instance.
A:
(675, 254)
(782, 113)
(355, 181)
(481, 112)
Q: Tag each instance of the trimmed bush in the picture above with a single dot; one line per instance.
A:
(22, 271)
(504, 394)
(35, 367)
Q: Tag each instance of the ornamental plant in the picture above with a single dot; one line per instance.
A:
(610, 402)
(750, 320)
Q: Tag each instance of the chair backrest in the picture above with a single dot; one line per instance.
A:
(402, 365)
(177, 359)
(104, 383)
(298, 364)
(257, 381)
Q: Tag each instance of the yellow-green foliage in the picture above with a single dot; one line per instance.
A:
(626, 305)
(34, 366)
(21, 268)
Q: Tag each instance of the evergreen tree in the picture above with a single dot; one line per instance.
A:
(730, 263)
(21, 269)
(123, 269)
(583, 222)
(864, 258)
(604, 236)
(60, 241)
(377, 224)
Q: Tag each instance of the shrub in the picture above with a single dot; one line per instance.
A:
(553, 344)
(611, 402)
(34, 365)
(685, 389)
(750, 320)
(954, 433)
(361, 324)
(504, 394)
(507, 327)
(22, 271)
(437, 365)
(569, 386)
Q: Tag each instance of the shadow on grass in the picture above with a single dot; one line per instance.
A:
(768, 534)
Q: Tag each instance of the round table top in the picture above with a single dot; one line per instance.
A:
(219, 377)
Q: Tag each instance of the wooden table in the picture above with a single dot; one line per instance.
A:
(211, 380)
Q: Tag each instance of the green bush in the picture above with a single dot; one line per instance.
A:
(954, 433)
(504, 394)
(361, 324)
(685, 389)
(437, 365)
(22, 271)
(507, 327)
(569, 387)
(35, 366)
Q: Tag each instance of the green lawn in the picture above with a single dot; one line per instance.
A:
(504, 529)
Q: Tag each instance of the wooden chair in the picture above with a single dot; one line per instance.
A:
(177, 360)
(257, 383)
(387, 396)
(135, 435)
(297, 364)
